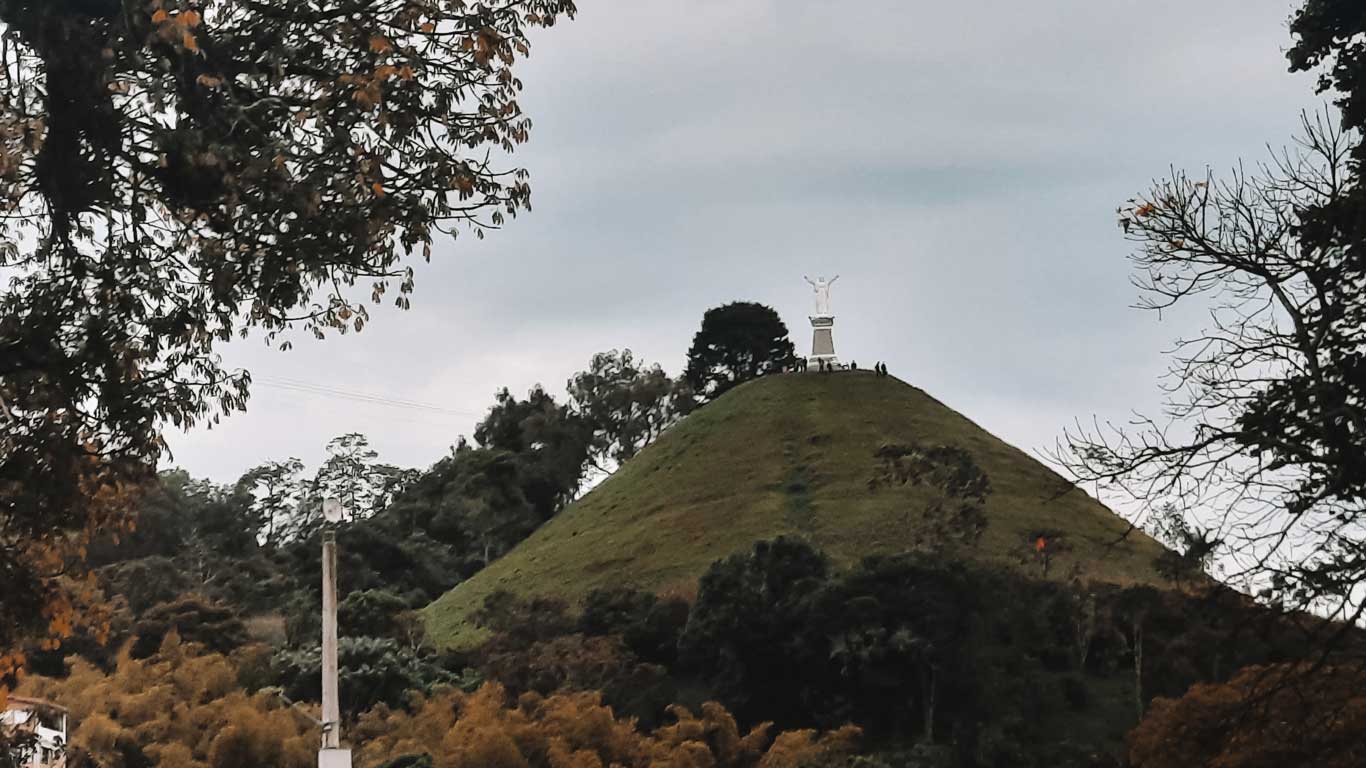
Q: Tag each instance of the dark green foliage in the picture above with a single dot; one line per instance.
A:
(254, 670)
(626, 404)
(778, 637)
(525, 621)
(372, 670)
(898, 632)
(550, 441)
(978, 667)
(371, 556)
(190, 536)
(180, 512)
(216, 627)
(648, 625)
(472, 501)
(737, 342)
(537, 646)
(372, 613)
(146, 581)
(746, 634)
(1328, 38)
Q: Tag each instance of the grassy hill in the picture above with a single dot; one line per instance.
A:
(792, 455)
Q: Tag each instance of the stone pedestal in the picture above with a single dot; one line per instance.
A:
(334, 758)
(822, 341)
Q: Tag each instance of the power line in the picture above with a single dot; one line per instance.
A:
(308, 388)
(360, 397)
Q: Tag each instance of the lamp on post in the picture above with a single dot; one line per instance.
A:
(331, 755)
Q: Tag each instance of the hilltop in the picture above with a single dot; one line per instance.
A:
(792, 455)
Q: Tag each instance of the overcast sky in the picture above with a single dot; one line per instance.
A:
(958, 164)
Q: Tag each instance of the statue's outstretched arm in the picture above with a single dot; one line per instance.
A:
(809, 280)
(833, 279)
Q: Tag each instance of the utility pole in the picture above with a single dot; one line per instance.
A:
(332, 755)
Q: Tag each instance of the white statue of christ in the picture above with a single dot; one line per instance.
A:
(822, 289)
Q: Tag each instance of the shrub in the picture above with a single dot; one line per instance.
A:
(372, 671)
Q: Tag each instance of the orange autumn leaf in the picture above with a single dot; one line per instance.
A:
(189, 19)
(161, 16)
(1041, 544)
(427, 28)
(378, 189)
(189, 42)
(380, 44)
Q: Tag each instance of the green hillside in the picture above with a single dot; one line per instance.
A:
(792, 455)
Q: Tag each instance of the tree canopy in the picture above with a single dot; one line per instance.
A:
(177, 173)
(1264, 432)
(626, 404)
(1328, 39)
(737, 342)
(1262, 718)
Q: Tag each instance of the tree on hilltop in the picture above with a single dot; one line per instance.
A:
(737, 342)
(626, 404)
(549, 441)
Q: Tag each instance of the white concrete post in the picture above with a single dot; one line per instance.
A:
(331, 755)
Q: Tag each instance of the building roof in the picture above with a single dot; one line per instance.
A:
(25, 701)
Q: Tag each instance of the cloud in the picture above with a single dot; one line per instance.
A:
(958, 163)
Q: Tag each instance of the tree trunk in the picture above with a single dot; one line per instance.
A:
(1138, 667)
(929, 706)
(1086, 631)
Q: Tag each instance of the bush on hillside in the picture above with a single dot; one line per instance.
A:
(373, 613)
(536, 647)
(372, 670)
(524, 621)
(648, 625)
(217, 627)
(746, 634)
(145, 582)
